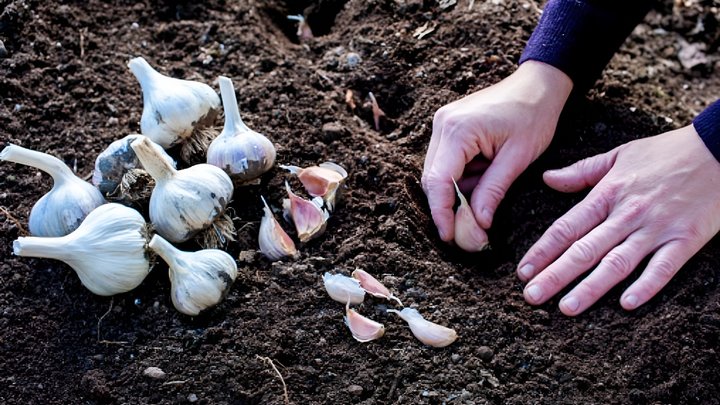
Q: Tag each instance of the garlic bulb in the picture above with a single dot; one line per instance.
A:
(186, 201)
(343, 288)
(70, 200)
(243, 153)
(115, 162)
(363, 329)
(107, 251)
(199, 280)
(321, 181)
(464, 220)
(274, 242)
(174, 110)
(310, 220)
(373, 286)
(425, 331)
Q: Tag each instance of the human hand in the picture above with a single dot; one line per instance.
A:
(487, 139)
(658, 195)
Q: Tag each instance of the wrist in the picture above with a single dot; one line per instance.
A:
(543, 84)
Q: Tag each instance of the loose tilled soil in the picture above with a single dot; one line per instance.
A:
(65, 89)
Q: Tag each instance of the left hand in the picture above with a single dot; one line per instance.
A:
(658, 195)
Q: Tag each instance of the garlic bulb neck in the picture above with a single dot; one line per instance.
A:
(47, 163)
(165, 249)
(153, 160)
(233, 122)
(144, 73)
(44, 247)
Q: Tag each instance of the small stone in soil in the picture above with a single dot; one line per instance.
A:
(192, 398)
(3, 50)
(155, 373)
(355, 389)
(485, 353)
(455, 358)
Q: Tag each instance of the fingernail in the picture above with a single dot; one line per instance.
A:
(571, 303)
(631, 301)
(486, 215)
(442, 234)
(527, 271)
(534, 292)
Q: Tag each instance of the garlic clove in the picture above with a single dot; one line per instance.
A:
(199, 280)
(304, 32)
(465, 222)
(343, 289)
(425, 331)
(363, 329)
(310, 220)
(274, 242)
(377, 112)
(107, 250)
(321, 181)
(70, 200)
(243, 153)
(373, 286)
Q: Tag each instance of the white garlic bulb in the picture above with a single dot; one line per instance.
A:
(464, 220)
(199, 280)
(425, 331)
(186, 201)
(321, 181)
(343, 288)
(309, 218)
(274, 242)
(173, 109)
(107, 251)
(362, 328)
(243, 153)
(70, 200)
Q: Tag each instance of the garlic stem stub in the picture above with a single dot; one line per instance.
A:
(309, 218)
(425, 331)
(70, 200)
(373, 286)
(274, 242)
(186, 201)
(243, 153)
(321, 181)
(363, 329)
(199, 280)
(174, 110)
(343, 289)
(465, 236)
(107, 250)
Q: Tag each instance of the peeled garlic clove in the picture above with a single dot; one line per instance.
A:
(107, 251)
(174, 110)
(243, 153)
(70, 200)
(373, 286)
(186, 201)
(363, 329)
(321, 181)
(274, 242)
(425, 331)
(199, 280)
(310, 220)
(464, 220)
(343, 288)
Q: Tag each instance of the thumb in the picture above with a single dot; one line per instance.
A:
(582, 174)
(493, 186)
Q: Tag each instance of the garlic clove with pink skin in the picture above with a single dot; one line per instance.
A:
(363, 329)
(321, 181)
(465, 223)
(372, 286)
(310, 220)
(425, 331)
(274, 242)
(343, 289)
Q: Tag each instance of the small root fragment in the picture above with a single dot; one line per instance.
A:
(377, 112)
(112, 300)
(193, 150)
(21, 229)
(282, 380)
(136, 186)
(218, 234)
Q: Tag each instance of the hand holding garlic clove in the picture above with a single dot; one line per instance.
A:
(465, 236)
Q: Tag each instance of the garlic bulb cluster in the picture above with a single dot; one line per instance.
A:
(199, 280)
(309, 217)
(274, 242)
(321, 181)
(425, 331)
(363, 329)
(175, 111)
(464, 220)
(70, 200)
(107, 250)
(343, 289)
(243, 153)
(183, 202)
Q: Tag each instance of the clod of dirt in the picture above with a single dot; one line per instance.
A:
(155, 373)
(333, 131)
(355, 390)
(485, 353)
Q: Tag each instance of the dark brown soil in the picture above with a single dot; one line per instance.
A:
(65, 89)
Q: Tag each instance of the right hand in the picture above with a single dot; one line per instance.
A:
(487, 139)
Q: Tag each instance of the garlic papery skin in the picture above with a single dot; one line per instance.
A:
(465, 223)
(243, 153)
(70, 200)
(199, 280)
(274, 242)
(373, 286)
(186, 201)
(425, 331)
(107, 251)
(310, 220)
(363, 329)
(343, 289)
(173, 109)
(321, 181)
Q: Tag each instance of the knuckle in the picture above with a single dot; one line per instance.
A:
(553, 280)
(690, 232)
(664, 270)
(563, 232)
(610, 192)
(582, 252)
(634, 210)
(495, 191)
(590, 292)
(440, 114)
(617, 264)
(540, 252)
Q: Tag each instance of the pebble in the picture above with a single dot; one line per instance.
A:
(455, 358)
(112, 121)
(352, 59)
(155, 373)
(192, 398)
(355, 389)
(485, 353)
(3, 50)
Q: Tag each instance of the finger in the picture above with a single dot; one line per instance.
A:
(562, 233)
(579, 258)
(613, 268)
(582, 174)
(434, 141)
(493, 186)
(665, 263)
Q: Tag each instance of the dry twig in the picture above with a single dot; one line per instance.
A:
(282, 380)
(21, 230)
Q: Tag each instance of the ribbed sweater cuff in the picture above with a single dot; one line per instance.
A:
(707, 125)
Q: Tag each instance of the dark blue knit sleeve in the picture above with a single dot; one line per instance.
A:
(707, 125)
